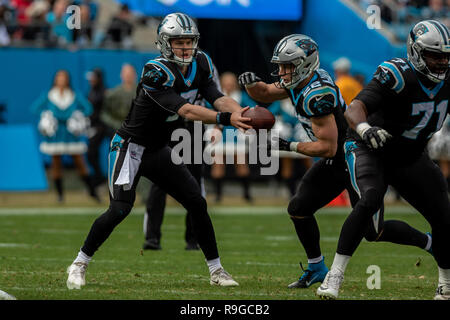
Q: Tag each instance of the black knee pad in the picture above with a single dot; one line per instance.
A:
(298, 207)
(371, 200)
(117, 211)
(371, 235)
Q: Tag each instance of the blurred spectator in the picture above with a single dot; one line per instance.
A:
(57, 18)
(83, 36)
(230, 87)
(63, 121)
(92, 5)
(361, 78)
(38, 28)
(436, 10)
(348, 85)
(118, 100)
(121, 28)
(98, 130)
(5, 39)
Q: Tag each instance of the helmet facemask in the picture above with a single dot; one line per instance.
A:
(299, 51)
(177, 26)
(428, 50)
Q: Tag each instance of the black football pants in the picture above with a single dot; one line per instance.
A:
(176, 180)
(419, 182)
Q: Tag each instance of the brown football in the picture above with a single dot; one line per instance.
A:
(261, 117)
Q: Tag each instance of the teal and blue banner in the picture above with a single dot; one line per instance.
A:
(221, 9)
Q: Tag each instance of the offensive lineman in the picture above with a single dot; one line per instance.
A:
(320, 109)
(168, 86)
(392, 120)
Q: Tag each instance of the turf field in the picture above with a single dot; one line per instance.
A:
(258, 246)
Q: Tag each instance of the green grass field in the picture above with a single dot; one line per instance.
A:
(257, 245)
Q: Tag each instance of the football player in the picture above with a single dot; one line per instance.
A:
(391, 121)
(320, 109)
(168, 86)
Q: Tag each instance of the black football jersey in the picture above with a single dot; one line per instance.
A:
(398, 100)
(161, 91)
(320, 97)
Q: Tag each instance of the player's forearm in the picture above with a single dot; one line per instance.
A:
(226, 104)
(322, 149)
(260, 92)
(198, 113)
(356, 114)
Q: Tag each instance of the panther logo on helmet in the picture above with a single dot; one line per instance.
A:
(308, 46)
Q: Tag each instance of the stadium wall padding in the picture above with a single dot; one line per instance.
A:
(339, 31)
(21, 165)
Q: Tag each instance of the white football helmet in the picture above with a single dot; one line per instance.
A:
(176, 25)
(429, 36)
(302, 52)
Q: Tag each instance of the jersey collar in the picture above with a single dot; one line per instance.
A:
(192, 71)
(431, 93)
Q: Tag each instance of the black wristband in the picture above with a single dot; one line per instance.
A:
(224, 118)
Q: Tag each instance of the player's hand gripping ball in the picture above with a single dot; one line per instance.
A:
(261, 117)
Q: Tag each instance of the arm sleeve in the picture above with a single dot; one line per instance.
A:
(210, 91)
(166, 99)
(374, 96)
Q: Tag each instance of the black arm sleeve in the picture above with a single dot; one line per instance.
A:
(167, 99)
(210, 91)
(374, 96)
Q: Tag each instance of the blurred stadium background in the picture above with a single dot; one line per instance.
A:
(239, 35)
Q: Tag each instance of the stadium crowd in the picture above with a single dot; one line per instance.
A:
(401, 14)
(51, 23)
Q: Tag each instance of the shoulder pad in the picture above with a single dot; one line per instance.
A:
(205, 62)
(391, 74)
(320, 101)
(157, 75)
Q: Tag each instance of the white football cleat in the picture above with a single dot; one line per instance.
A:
(329, 289)
(6, 296)
(442, 292)
(222, 278)
(77, 272)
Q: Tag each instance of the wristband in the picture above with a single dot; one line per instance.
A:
(362, 128)
(223, 118)
(293, 146)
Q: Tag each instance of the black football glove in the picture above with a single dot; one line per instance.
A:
(374, 137)
(248, 78)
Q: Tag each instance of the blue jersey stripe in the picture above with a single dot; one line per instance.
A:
(171, 78)
(398, 76)
(315, 93)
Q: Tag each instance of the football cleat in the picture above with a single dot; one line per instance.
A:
(151, 244)
(6, 296)
(329, 289)
(315, 272)
(222, 278)
(77, 272)
(442, 293)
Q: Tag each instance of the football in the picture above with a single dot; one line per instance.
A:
(261, 117)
